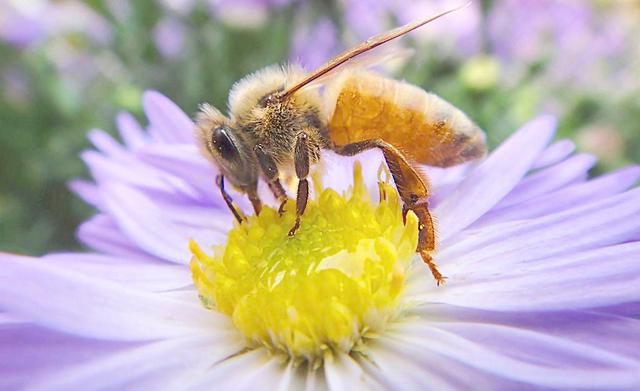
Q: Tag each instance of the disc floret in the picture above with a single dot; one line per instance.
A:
(334, 284)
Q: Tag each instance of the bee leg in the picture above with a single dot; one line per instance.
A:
(270, 171)
(413, 190)
(228, 200)
(427, 238)
(301, 162)
(255, 201)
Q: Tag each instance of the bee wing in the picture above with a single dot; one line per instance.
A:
(429, 130)
(364, 47)
(370, 59)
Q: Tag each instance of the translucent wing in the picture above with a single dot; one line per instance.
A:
(363, 106)
(362, 48)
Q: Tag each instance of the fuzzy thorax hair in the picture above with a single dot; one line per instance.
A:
(247, 92)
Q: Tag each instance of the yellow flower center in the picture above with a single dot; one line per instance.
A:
(333, 284)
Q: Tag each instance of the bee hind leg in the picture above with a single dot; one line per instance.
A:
(413, 191)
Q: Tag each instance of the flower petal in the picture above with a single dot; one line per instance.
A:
(29, 352)
(140, 274)
(600, 223)
(574, 169)
(390, 364)
(566, 198)
(488, 183)
(134, 172)
(589, 279)
(87, 191)
(344, 374)
(167, 121)
(106, 144)
(610, 332)
(244, 371)
(67, 301)
(183, 160)
(130, 131)
(145, 224)
(555, 153)
(102, 234)
(522, 355)
(168, 364)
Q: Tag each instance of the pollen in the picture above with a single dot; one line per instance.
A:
(335, 284)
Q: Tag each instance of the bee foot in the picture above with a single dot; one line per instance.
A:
(281, 209)
(295, 227)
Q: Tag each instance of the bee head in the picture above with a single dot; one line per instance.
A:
(221, 142)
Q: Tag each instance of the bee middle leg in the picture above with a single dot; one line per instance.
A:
(270, 171)
(301, 162)
(413, 191)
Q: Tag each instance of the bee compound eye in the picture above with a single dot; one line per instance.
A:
(222, 141)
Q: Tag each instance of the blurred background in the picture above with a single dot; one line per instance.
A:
(68, 66)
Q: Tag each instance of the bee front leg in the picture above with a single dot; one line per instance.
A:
(413, 191)
(228, 200)
(270, 171)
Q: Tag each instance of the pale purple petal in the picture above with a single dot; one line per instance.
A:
(130, 131)
(74, 303)
(595, 278)
(167, 122)
(596, 224)
(555, 153)
(102, 234)
(29, 352)
(184, 161)
(87, 191)
(146, 225)
(395, 368)
(572, 170)
(488, 183)
(140, 274)
(566, 198)
(167, 364)
(344, 374)
(522, 355)
(241, 372)
(136, 173)
(606, 331)
(106, 144)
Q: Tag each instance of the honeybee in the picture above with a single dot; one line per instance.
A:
(278, 119)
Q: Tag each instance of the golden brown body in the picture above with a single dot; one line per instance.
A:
(277, 120)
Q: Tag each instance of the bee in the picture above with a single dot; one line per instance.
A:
(279, 120)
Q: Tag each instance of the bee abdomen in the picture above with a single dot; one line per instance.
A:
(428, 128)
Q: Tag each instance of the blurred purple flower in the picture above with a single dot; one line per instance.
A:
(543, 266)
(574, 36)
(27, 23)
(315, 45)
(248, 13)
(169, 35)
(458, 32)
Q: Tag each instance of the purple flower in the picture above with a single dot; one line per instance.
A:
(23, 24)
(543, 265)
(315, 45)
(169, 35)
(248, 13)
(581, 42)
